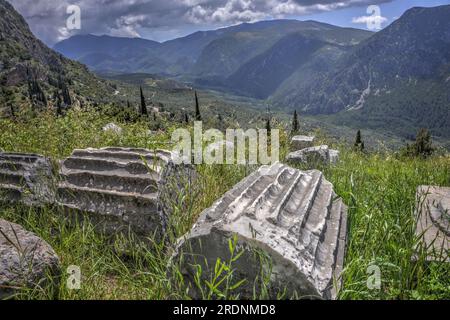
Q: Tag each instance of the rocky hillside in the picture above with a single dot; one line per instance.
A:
(398, 77)
(31, 74)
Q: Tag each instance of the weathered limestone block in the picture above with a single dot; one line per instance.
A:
(293, 217)
(314, 156)
(433, 221)
(123, 188)
(26, 261)
(302, 142)
(26, 178)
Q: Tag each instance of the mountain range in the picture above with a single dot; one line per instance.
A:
(396, 79)
(217, 57)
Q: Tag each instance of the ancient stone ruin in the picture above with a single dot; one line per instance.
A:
(292, 218)
(433, 222)
(123, 188)
(302, 142)
(25, 178)
(313, 156)
(26, 261)
(119, 189)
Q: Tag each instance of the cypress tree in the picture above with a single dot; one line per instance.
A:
(198, 116)
(36, 93)
(359, 144)
(66, 96)
(143, 105)
(295, 125)
(268, 126)
(13, 113)
(423, 145)
(59, 111)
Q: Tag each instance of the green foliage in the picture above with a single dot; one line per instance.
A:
(423, 146)
(379, 189)
(221, 284)
(37, 95)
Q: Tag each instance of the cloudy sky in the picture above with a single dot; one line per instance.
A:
(161, 20)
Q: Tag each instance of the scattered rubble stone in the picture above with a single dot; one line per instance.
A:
(26, 261)
(433, 221)
(314, 156)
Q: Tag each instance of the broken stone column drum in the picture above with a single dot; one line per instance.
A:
(314, 156)
(302, 142)
(26, 178)
(120, 189)
(289, 223)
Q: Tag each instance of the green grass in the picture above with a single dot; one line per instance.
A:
(379, 189)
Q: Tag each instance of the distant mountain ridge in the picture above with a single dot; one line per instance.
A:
(201, 55)
(396, 79)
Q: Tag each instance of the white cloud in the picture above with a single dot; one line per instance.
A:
(370, 19)
(47, 18)
(373, 22)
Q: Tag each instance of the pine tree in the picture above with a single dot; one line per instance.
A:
(143, 105)
(198, 116)
(295, 124)
(359, 144)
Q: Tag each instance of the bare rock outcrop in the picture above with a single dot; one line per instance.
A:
(26, 178)
(291, 217)
(433, 222)
(126, 189)
(314, 156)
(26, 261)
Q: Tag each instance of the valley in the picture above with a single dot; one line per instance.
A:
(338, 78)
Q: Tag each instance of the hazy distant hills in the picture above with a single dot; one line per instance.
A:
(398, 78)
(32, 74)
(204, 55)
